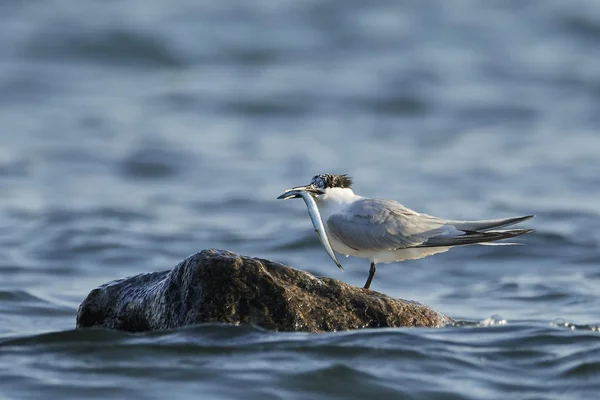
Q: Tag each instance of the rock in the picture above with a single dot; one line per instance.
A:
(220, 286)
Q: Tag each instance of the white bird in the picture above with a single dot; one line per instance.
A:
(384, 231)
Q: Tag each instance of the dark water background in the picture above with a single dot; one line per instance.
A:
(134, 133)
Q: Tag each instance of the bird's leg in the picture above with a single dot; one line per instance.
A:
(371, 275)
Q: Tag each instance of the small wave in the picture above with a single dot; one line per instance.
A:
(262, 107)
(575, 327)
(23, 302)
(394, 105)
(583, 26)
(113, 46)
(583, 369)
(370, 362)
(153, 162)
(492, 321)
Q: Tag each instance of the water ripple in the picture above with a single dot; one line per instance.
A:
(354, 363)
(135, 134)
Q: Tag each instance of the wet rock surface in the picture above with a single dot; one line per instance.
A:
(220, 286)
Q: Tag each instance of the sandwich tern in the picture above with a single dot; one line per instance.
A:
(385, 231)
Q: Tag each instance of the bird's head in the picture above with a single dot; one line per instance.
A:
(319, 185)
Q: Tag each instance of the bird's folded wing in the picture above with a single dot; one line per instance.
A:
(486, 225)
(474, 238)
(377, 224)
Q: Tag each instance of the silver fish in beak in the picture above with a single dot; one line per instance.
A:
(296, 192)
(307, 192)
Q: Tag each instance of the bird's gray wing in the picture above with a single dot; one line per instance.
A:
(471, 237)
(377, 224)
(486, 225)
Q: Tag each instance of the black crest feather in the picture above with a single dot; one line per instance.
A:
(324, 181)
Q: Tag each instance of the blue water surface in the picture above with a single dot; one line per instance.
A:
(135, 133)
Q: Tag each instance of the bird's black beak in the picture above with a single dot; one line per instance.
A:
(293, 193)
